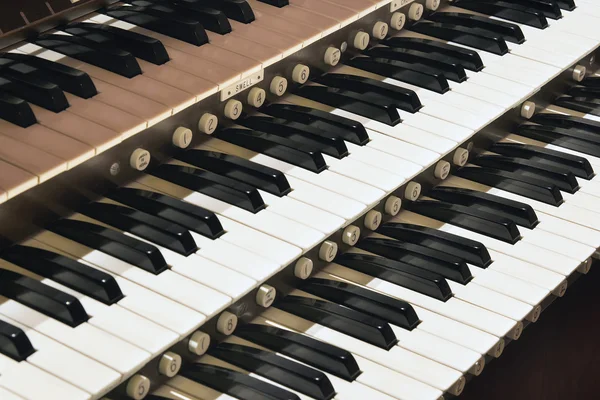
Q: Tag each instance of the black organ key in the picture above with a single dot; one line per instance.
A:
(162, 20)
(546, 193)
(469, 250)
(394, 311)
(567, 122)
(288, 373)
(261, 177)
(568, 5)
(579, 166)
(275, 146)
(111, 242)
(115, 60)
(235, 384)
(520, 213)
(49, 301)
(93, 283)
(591, 81)
(154, 229)
(192, 217)
(349, 130)
(14, 109)
(440, 65)
(69, 79)
(563, 179)
(23, 83)
(237, 10)
(580, 140)
(464, 217)
(469, 59)
(353, 323)
(421, 76)
(321, 355)
(494, 28)
(324, 142)
(141, 46)
(14, 343)
(276, 3)
(402, 274)
(446, 265)
(587, 105)
(508, 10)
(220, 187)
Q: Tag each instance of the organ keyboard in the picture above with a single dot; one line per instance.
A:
(288, 199)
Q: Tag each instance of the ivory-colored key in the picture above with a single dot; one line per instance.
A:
(341, 14)
(302, 32)
(31, 159)
(258, 34)
(14, 181)
(361, 7)
(265, 55)
(72, 151)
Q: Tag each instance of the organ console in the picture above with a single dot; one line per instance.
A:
(288, 199)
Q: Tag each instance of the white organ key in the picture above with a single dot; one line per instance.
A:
(6, 395)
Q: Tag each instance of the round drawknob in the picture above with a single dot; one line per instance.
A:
(393, 205)
(227, 323)
(199, 342)
(442, 169)
(328, 250)
(300, 73)
(233, 109)
(182, 137)
(461, 156)
(412, 191)
(139, 159)
(303, 268)
(380, 30)
(138, 387)
(372, 220)
(432, 5)
(398, 20)
(351, 235)
(579, 73)
(278, 86)
(332, 56)
(265, 295)
(208, 123)
(415, 12)
(528, 109)
(169, 364)
(361, 40)
(256, 97)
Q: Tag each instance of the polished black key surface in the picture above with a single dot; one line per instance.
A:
(353, 323)
(49, 301)
(567, 122)
(235, 384)
(562, 178)
(141, 46)
(469, 59)
(579, 140)
(237, 10)
(491, 27)
(321, 355)
(447, 265)
(275, 146)
(23, 83)
(190, 216)
(92, 282)
(69, 79)
(392, 310)
(422, 60)
(520, 213)
(261, 177)
(513, 183)
(14, 343)
(463, 35)
(376, 108)
(483, 223)
(14, 109)
(508, 10)
(325, 142)
(586, 105)
(568, 5)
(469, 250)
(348, 129)
(162, 20)
(276, 3)
(217, 186)
(111, 242)
(579, 166)
(415, 75)
(402, 274)
(278, 369)
(154, 229)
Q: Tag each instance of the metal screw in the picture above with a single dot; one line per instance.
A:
(115, 169)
